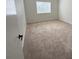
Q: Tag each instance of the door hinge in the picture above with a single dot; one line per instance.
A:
(20, 36)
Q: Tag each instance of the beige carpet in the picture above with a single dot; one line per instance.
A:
(48, 40)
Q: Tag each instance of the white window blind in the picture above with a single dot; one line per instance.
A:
(43, 7)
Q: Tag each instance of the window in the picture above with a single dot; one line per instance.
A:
(43, 7)
(10, 7)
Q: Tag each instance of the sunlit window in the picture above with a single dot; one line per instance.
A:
(43, 7)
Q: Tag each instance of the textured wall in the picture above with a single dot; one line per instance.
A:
(31, 12)
(65, 10)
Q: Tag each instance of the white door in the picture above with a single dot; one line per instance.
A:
(21, 17)
(15, 24)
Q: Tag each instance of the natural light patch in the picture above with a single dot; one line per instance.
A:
(10, 7)
(43, 7)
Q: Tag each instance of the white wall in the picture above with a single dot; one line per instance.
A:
(31, 12)
(65, 10)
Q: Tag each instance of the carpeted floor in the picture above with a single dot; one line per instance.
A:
(48, 40)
